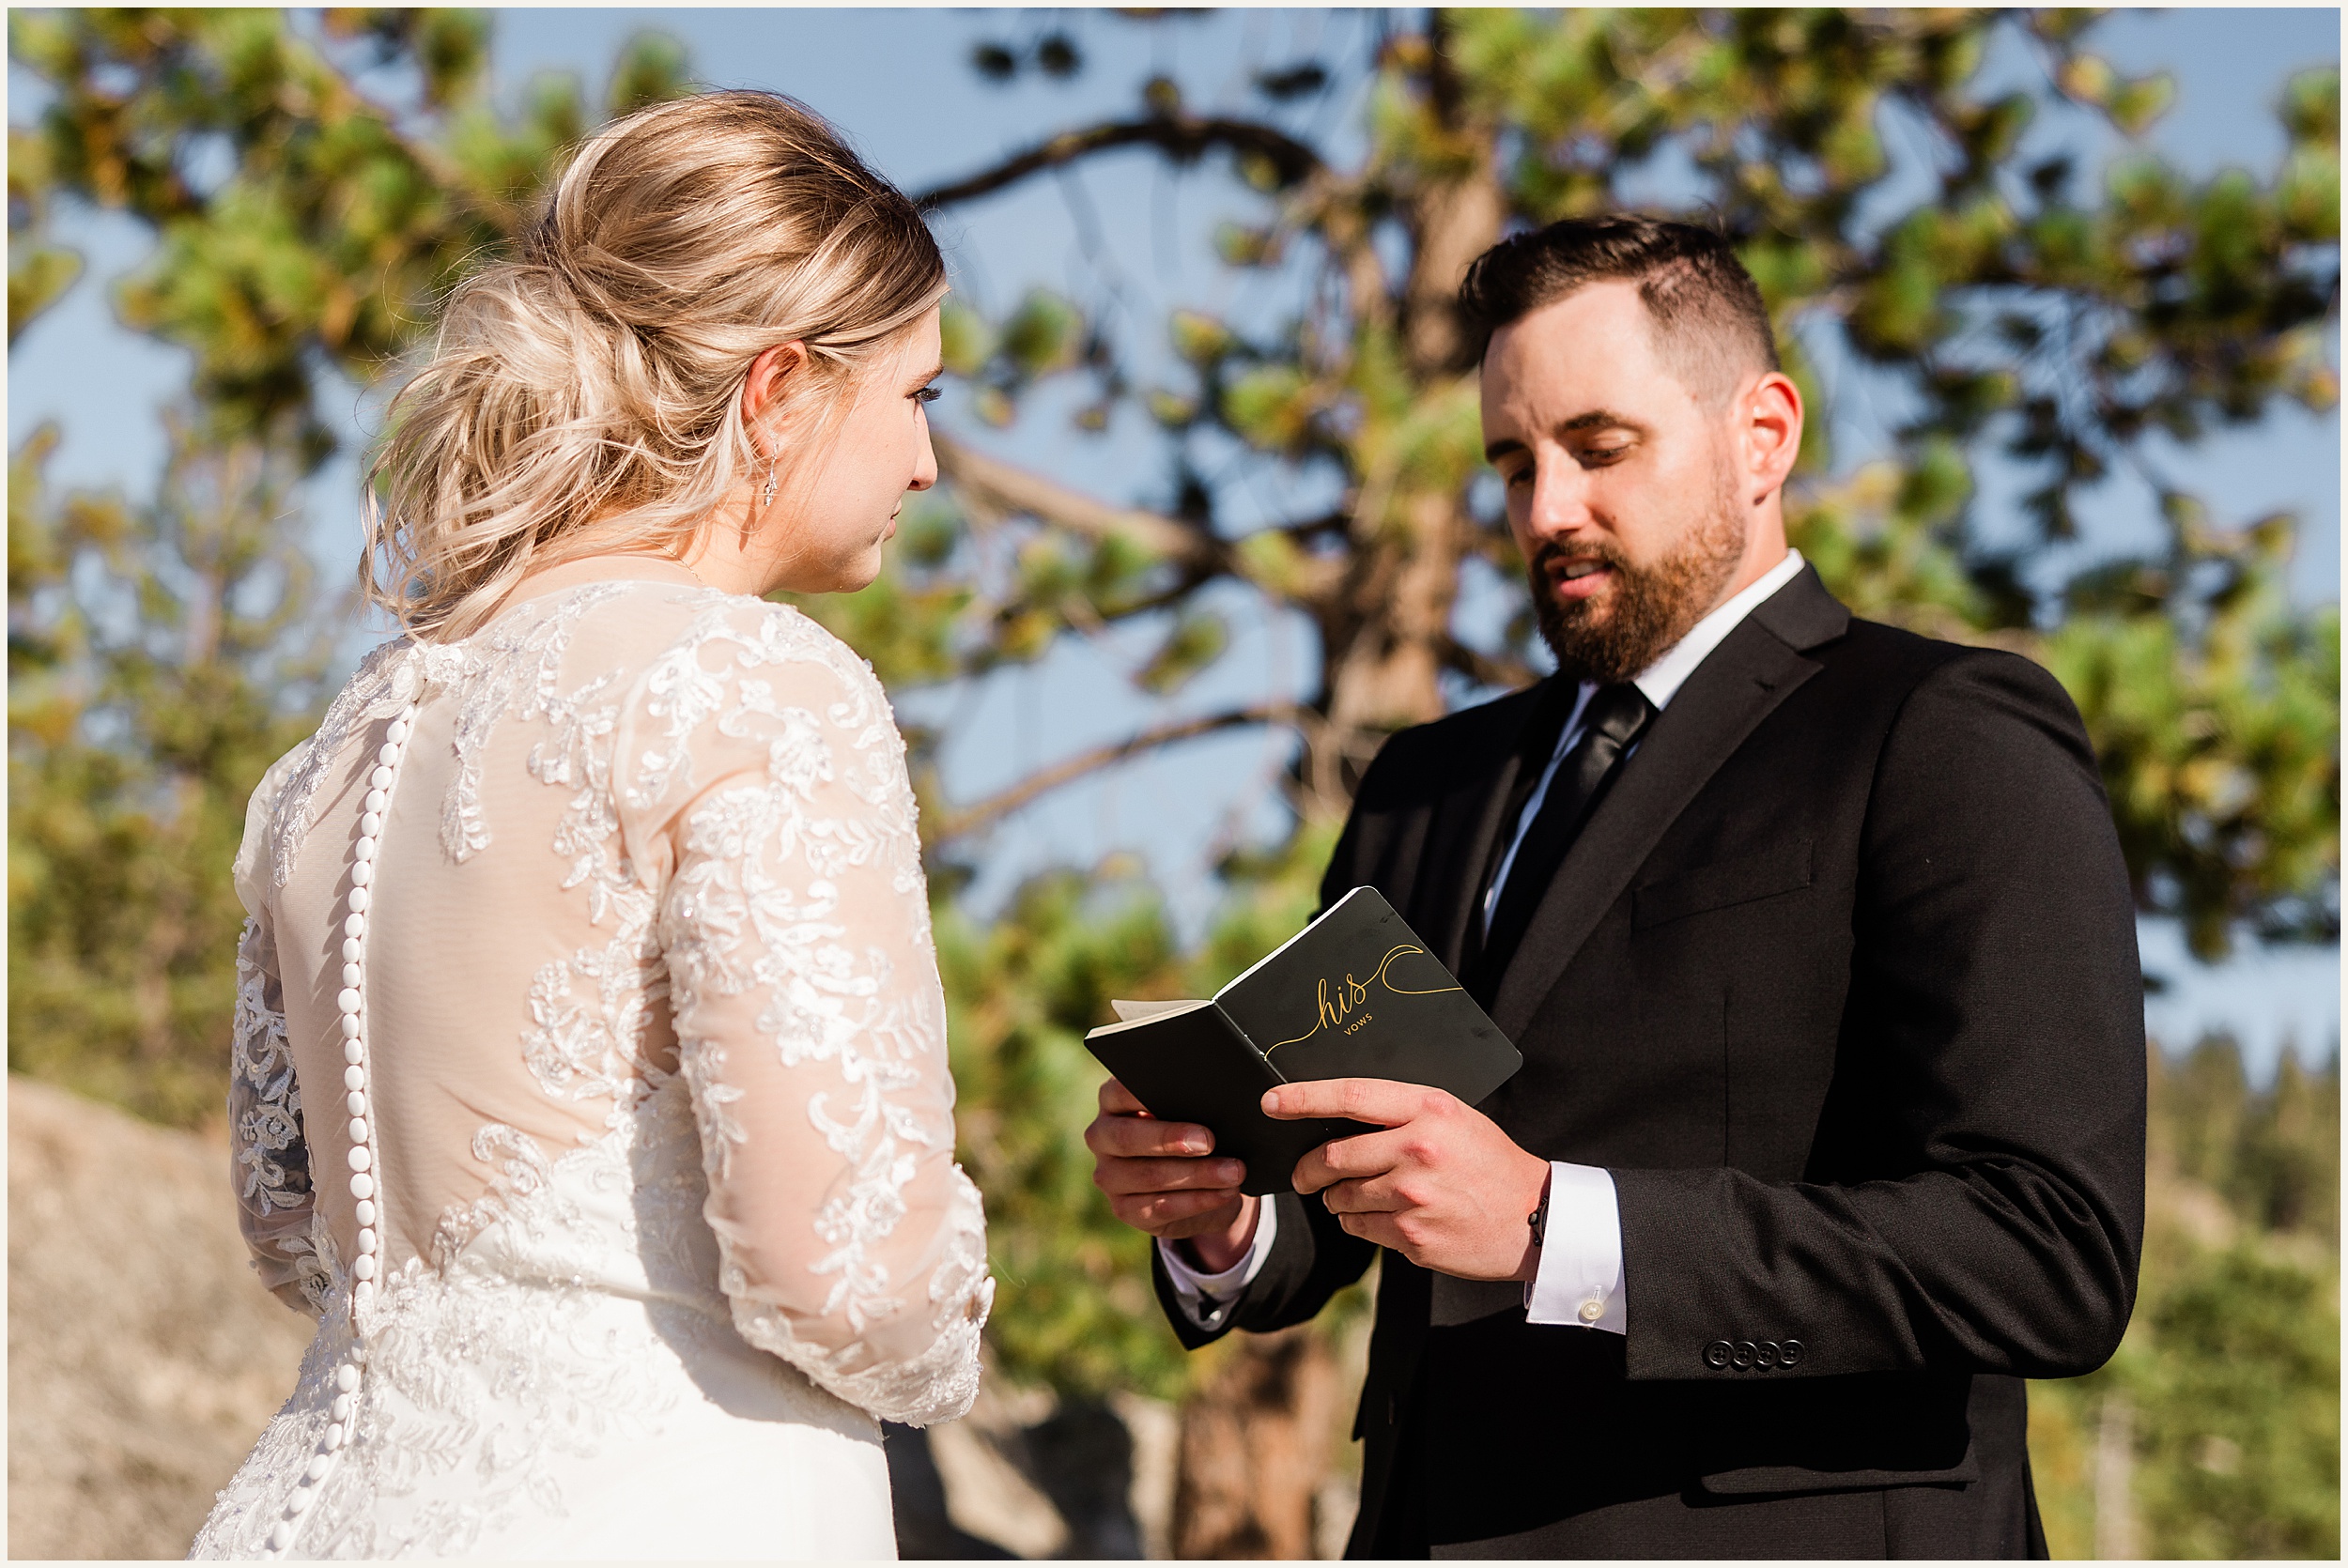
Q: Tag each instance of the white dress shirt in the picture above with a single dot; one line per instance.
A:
(1578, 1282)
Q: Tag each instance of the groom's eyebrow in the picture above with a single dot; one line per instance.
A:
(1597, 419)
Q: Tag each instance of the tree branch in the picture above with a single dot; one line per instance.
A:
(989, 484)
(969, 820)
(1184, 138)
(1336, 522)
(1003, 487)
(1487, 669)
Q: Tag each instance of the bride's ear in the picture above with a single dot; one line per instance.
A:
(763, 388)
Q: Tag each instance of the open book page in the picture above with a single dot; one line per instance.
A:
(1189, 1063)
(1141, 1012)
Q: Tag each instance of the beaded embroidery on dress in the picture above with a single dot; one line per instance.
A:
(644, 1168)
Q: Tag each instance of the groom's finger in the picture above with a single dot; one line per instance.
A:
(1379, 1229)
(1363, 1195)
(1118, 1101)
(1363, 1099)
(1120, 1177)
(1370, 1154)
(1140, 1138)
(1155, 1212)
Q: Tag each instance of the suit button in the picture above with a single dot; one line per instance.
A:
(1765, 1353)
(1743, 1356)
(1790, 1352)
(1716, 1354)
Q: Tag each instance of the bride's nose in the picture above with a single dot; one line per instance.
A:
(924, 463)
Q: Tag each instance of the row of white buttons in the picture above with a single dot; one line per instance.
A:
(351, 1002)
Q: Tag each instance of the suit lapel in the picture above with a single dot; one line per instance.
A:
(1755, 668)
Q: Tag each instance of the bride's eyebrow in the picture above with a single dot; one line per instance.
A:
(928, 376)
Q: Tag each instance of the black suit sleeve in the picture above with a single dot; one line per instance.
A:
(1990, 1078)
(1312, 1257)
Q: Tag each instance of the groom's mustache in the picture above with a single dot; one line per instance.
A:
(1558, 560)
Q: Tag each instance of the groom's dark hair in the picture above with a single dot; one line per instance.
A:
(1709, 320)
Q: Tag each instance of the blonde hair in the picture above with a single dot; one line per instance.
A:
(586, 396)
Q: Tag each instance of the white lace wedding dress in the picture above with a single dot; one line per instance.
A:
(591, 1090)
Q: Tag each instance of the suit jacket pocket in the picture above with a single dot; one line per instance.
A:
(1778, 1479)
(1741, 879)
(1861, 1432)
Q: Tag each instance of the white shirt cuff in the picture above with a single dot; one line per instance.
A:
(1578, 1279)
(1207, 1298)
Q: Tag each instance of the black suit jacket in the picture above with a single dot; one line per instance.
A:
(1839, 983)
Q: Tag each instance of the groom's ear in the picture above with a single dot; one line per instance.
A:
(1769, 419)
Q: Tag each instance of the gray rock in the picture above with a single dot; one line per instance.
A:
(144, 1356)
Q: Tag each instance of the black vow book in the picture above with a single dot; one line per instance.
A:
(1355, 994)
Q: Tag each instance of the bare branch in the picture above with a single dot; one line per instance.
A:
(1184, 138)
(990, 486)
(1484, 669)
(1003, 487)
(1336, 522)
(969, 820)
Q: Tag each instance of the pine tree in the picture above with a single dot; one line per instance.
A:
(2015, 311)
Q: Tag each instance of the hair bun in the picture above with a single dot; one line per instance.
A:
(585, 396)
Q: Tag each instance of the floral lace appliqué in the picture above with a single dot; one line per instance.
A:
(755, 908)
(564, 1309)
(264, 1098)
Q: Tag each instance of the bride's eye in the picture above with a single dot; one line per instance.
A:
(930, 393)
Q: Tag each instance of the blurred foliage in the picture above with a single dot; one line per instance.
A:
(1077, 1310)
(2231, 1368)
(160, 658)
(315, 180)
(2006, 305)
(300, 219)
(1075, 1300)
(2222, 736)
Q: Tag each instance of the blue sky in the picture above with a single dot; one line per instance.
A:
(1126, 237)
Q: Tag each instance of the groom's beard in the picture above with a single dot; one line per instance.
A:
(1648, 608)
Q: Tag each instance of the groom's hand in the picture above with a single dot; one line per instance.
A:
(1442, 1185)
(1162, 1178)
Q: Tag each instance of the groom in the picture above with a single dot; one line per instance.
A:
(1818, 942)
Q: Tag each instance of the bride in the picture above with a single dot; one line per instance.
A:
(590, 1084)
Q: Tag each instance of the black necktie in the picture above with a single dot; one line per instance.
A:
(1610, 724)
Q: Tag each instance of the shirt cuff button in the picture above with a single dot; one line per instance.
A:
(1593, 1309)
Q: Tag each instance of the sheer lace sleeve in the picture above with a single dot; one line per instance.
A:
(270, 1160)
(810, 1019)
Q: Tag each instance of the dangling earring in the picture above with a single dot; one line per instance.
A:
(767, 497)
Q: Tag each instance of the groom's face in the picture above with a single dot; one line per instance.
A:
(1625, 483)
